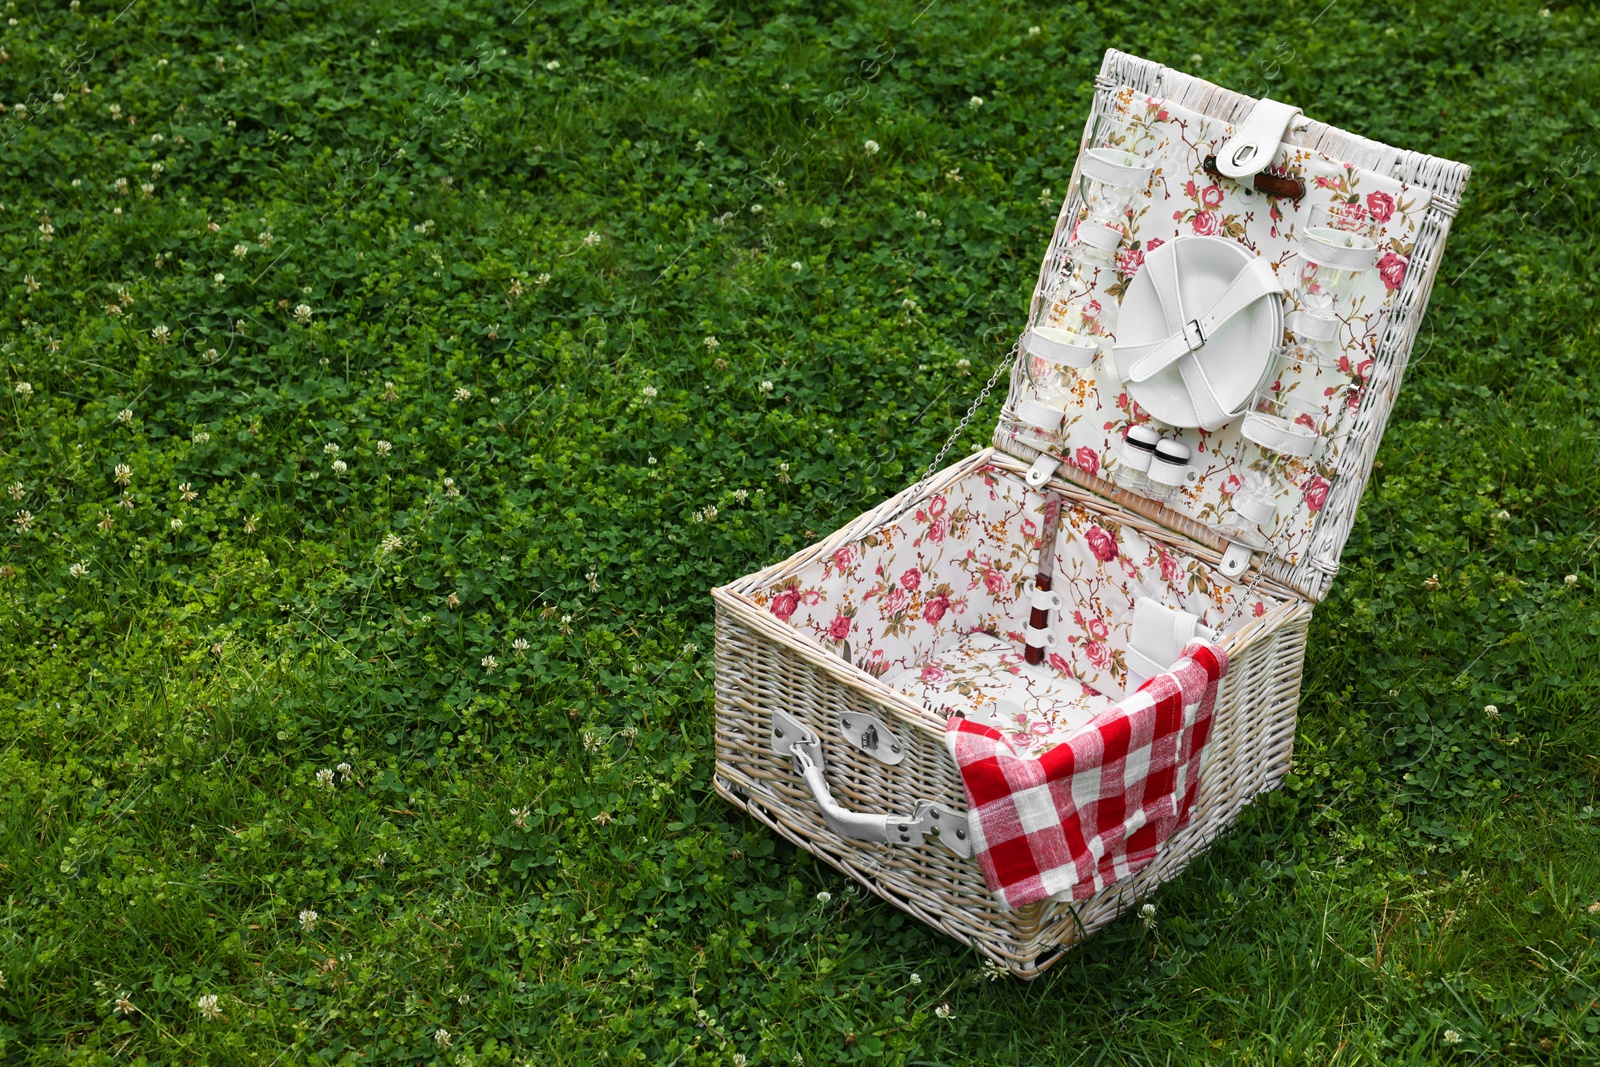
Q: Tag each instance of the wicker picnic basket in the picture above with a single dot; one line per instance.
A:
(837, 668)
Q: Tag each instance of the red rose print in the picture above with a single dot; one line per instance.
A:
(1097, 629)
(1129, 260)
(1206, 224)
(1190, 189)
(1060, 664)
(1102, 544)
(840, 628)
(994, 581)
(1029, 528)
(1087, 459)
(1153, 244)
(936, 506)
(938, 529)
(1317, 493)
(1231, 486)
(1171, 569)
(1305, 420)
(1099, 656)
(1260, 609)
(1380, 206)
(934, 610)
(1392, 269)
(1211, 196)
(785, 603)
(1364, 369)
(894, 601)
(933, 673)
(911, 579)
(844, 558)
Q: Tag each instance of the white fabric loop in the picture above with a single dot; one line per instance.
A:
(1115, 167)
(1038, 415)
(1311, 327)
(1039, 637)
(1045, 600)
(1057, 345)
(1100, 235)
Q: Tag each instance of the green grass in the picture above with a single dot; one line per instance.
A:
(1426, 874)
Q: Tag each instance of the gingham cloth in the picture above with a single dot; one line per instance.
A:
(1094, 809)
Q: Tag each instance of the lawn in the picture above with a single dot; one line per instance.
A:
(386, 385)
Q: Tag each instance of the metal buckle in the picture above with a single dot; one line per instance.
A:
(1193, 336)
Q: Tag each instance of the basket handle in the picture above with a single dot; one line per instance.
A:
(791, 737)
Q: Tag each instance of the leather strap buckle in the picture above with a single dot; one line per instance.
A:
(1193, 335)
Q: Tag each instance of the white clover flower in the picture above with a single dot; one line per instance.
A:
(123, 473)
(161, 334)
(145, 189)
(265, 238)
(384, 448)
(766, 388)
(209, 355)
(31, 283)
(591, 239)
(1147, 915)
(756, 209)
(712, 343)
(219, 277)
(566, 624)
(442, 1038)
(450, 489)
(391, 543)
(593, 578)
(975, 103)
(423, 227)
(916, 979)
(649, 392)
(453, 601)
(121, 186)
(241, 251)
(186, 492)
(302, 313)
(1451, 1037)
(340, 466)
(943, 1011)
(554, 64)
(824, 897)
(519, 816)
(17, 490)
(740, 496)
(488, 663)
(331, 448)
(324, 781)
(202, 437)
(542, 280)
(24, 521)
(24, 389)
(1571, 580)
(870, 148)
(1194, 59)
(797, 266)
(79, 570)
(1033, 31)
(346, 772)
(123, 1006)
(519, 647)
(308, 917)
(250, 524)
(1491, 712)
(462, 395)
(208, 1007)
(738, 1059)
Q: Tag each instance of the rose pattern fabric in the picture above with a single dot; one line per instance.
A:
(1184, 200)
(962, 562)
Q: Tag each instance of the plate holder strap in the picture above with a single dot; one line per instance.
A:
(1186, 335)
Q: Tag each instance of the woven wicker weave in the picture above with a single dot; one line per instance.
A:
(764, 666)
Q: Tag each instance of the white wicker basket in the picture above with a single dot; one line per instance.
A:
(781, 668)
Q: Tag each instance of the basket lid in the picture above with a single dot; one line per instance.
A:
(1222, 354)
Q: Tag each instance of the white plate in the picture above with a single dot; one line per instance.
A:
(1236, 358)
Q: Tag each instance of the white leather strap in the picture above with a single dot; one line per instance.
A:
(1035, 414)
(1279, 434)
(1311, 327)
(1157, 636)
(1255, 142)
(1327, 247)
(1256, 508)
(1058, 346)
(1099, 235)
(1187, 334)
(1115, 167)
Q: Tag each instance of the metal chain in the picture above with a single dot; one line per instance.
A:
(973, 410)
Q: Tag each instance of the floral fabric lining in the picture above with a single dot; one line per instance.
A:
(1183, 200)
(961, 562)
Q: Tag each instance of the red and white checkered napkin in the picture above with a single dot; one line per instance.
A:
(1095, 808)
